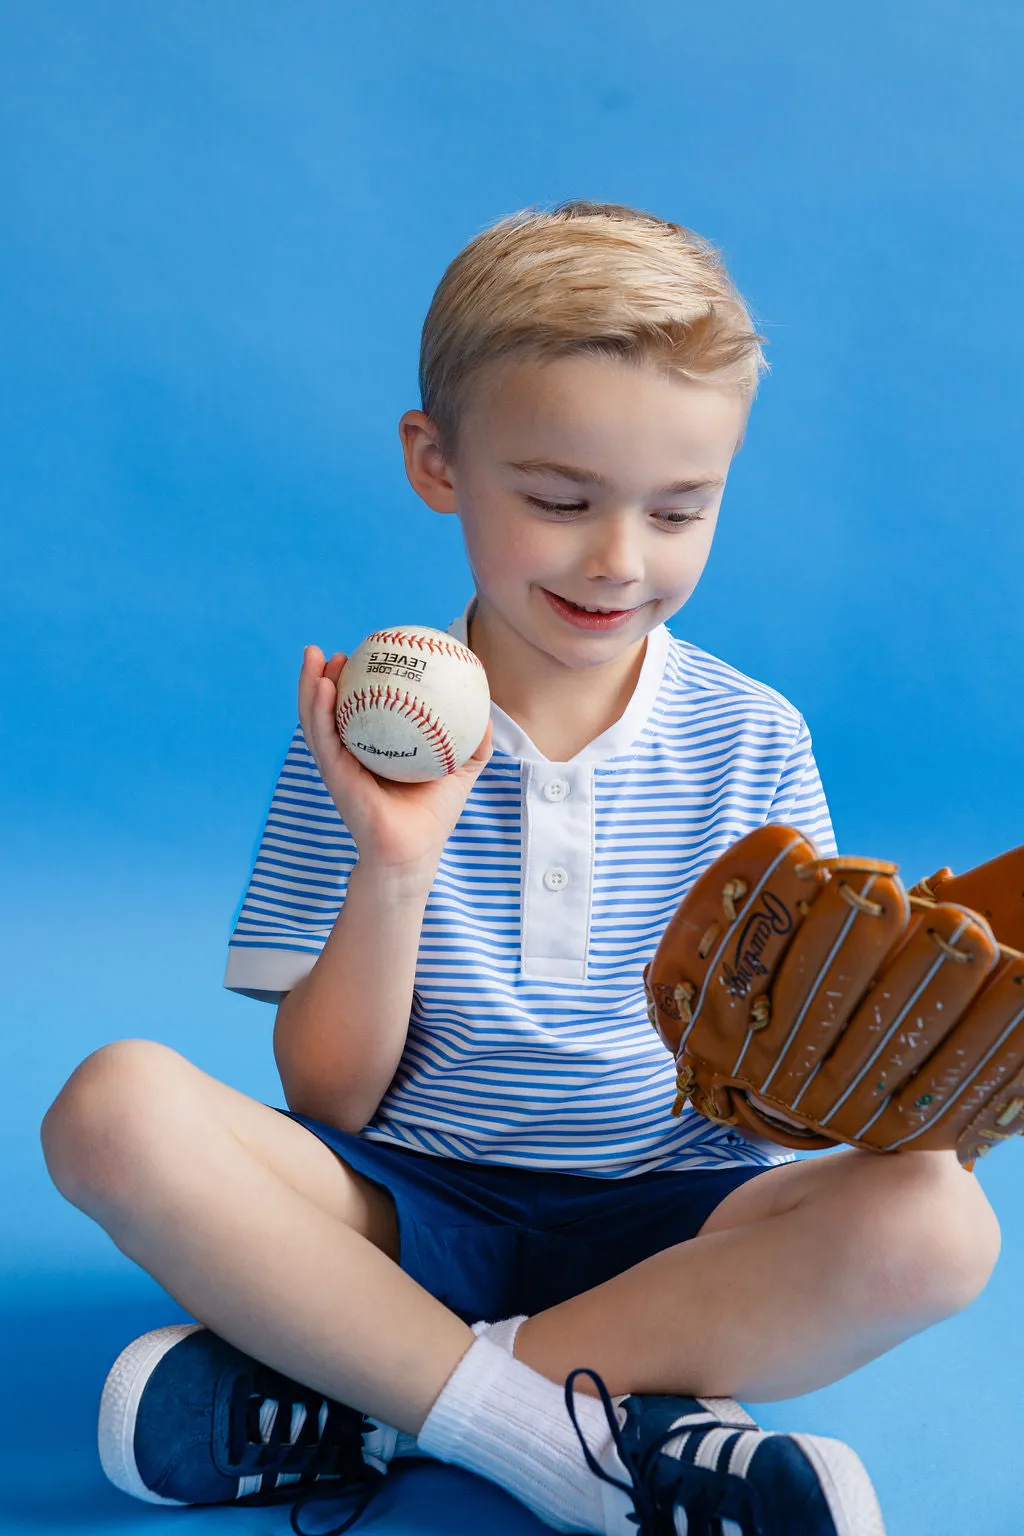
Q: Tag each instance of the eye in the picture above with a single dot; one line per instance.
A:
(565, 508)
(679, 519)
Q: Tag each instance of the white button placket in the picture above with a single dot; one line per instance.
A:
(558, 861)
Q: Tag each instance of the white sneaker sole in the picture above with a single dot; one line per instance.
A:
(119, 1408)
(851, 1499)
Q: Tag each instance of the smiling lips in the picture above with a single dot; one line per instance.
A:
(583, 618)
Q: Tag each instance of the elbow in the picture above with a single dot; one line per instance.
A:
(315, 1097)
(334, 1108)
(327, 1091)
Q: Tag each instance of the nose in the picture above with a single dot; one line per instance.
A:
(614, 552)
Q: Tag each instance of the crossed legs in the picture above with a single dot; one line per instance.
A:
(263, 1235)
(797, 1278)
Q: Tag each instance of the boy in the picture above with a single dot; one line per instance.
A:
(478, 1192)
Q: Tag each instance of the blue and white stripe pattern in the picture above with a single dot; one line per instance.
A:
(528, 1041)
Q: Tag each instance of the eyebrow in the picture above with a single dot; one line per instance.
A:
(588, 477)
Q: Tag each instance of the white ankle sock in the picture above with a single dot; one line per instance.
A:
(384, 1444)
(497, 1417)
(503, 1332)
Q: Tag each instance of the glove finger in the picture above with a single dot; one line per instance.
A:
(943, 962)
(854, 923)
(995, 889)
(987, 1130)
(731, 929)
(967, 1093)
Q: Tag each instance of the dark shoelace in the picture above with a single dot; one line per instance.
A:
(708, 1497)
(328, 1446)
(368, 1491)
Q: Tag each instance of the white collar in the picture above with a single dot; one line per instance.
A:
(511, 739)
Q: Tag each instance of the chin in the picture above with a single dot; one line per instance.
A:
(593, 650)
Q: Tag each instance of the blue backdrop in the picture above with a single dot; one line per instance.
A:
(221, 229)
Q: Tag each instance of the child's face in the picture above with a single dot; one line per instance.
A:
(584, 484)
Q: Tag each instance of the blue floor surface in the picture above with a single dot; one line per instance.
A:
(52, 1477)
(938, 1421)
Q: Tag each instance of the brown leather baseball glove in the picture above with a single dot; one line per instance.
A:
(815, 1001)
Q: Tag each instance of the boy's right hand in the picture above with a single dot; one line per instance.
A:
(398, 828)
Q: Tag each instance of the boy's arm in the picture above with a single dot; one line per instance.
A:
(340, 1031)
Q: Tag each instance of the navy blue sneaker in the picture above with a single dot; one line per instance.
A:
(693, 1474)
(185, 1418)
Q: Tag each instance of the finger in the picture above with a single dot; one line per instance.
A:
(309, 679)
(323, 721)
(347, 779)
(332, 756)
(486, 747)
(313, 672)
(482, 756)
(335, 666)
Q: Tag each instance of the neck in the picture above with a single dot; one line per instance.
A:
(562, 709)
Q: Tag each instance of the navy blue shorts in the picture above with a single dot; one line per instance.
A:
(491, 1241)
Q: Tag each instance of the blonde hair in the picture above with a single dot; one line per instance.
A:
(588, 278)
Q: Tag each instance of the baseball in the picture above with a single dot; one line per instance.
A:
(413, 703)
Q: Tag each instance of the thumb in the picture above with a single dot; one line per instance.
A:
(473, 766)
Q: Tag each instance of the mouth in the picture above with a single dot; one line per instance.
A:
(586, 617)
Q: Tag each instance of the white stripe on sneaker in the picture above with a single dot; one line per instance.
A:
(744, 1449)
(709, 1452)
(727, 1411)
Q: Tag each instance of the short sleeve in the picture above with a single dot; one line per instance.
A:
(800, 800)
(299, 878)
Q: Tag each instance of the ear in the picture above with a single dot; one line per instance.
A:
(426, 466)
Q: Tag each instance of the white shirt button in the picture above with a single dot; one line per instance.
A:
(556, 789)
(556, 878)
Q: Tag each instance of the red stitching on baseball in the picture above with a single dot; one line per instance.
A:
(430, 643)
(364, 699)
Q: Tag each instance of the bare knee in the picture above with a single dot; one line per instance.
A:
(932, 1234)
(97, 1129)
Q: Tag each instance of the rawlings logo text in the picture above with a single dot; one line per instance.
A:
(771, 917)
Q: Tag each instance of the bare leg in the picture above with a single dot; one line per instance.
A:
(254, 1226)
(799, 1277)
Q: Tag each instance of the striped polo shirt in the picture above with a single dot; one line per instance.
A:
(529, 1042)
